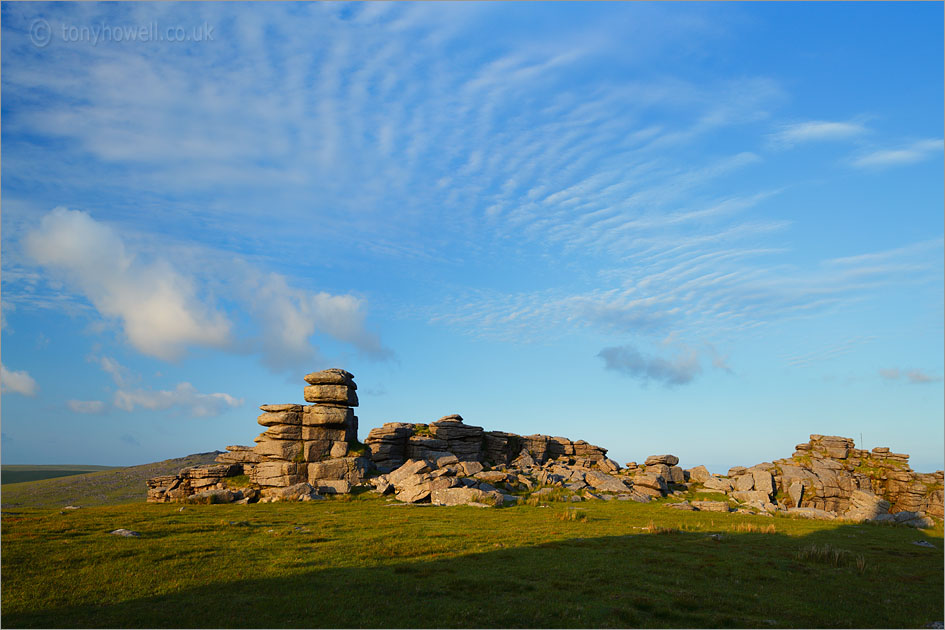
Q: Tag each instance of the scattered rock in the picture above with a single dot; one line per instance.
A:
(711, 506)
(126, 533)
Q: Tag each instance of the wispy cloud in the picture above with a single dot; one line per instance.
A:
(699, 288)
(830, 352)
(184, 397)
(627, 360)
(816, 131)
(916, 377)
(17, 382)
(86, 406)
(916, 152)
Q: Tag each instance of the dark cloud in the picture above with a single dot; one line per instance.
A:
(631, 362)
(130, 440)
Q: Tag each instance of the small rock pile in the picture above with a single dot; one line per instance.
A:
(190, 481)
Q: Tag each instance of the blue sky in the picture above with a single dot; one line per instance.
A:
(705, 229)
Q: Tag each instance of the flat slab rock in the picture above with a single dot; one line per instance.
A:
(331, 376)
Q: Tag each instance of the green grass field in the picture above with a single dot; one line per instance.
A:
(366, 562)
(20, 474)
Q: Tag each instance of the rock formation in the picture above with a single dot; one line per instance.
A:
(307, 451)
(827, 477)
(396, 442)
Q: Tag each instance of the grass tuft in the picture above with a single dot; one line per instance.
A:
(751, 528)
(831, 556)
(570, 514)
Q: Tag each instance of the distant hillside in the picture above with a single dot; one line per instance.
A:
(19, 474)
(107, 487)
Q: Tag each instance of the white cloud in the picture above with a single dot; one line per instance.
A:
(816, 130)
(627, 360)
(121, 375)
(184, 397)
(915, 152)
(288, 318)
(164, 310)
(86, 406)
(17, 382)
(158, 307)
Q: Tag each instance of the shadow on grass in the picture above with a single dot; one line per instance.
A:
(671, 579)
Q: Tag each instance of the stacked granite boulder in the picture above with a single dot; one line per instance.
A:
(306, 451)
(312, 443)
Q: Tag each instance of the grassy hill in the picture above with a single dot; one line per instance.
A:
(20, 474)
(366, 562)
(104, 487)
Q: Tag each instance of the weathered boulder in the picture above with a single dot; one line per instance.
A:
(699, 474)
(238, 455)
(744, 483)
(348, 433)
(796, 493)
(669, 460)
(604, 482)
(494, 476)
(410, 468)
(718, 483)
(333, 486)
(710, 506)
(331, 376)
(269, 419)
(750, 496)
(351, 469)
(214, 495)
(462, 495)
(388, 444)
(865, 506)
(283, 432)
(328, 415)
(331, 395)
(296, 492)
(282, 450)
(649, 484)
(471, 468)
(764, 481)
(914, 519)
(676, 475)
(281, 408)
(414, 489)
(277, 473)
